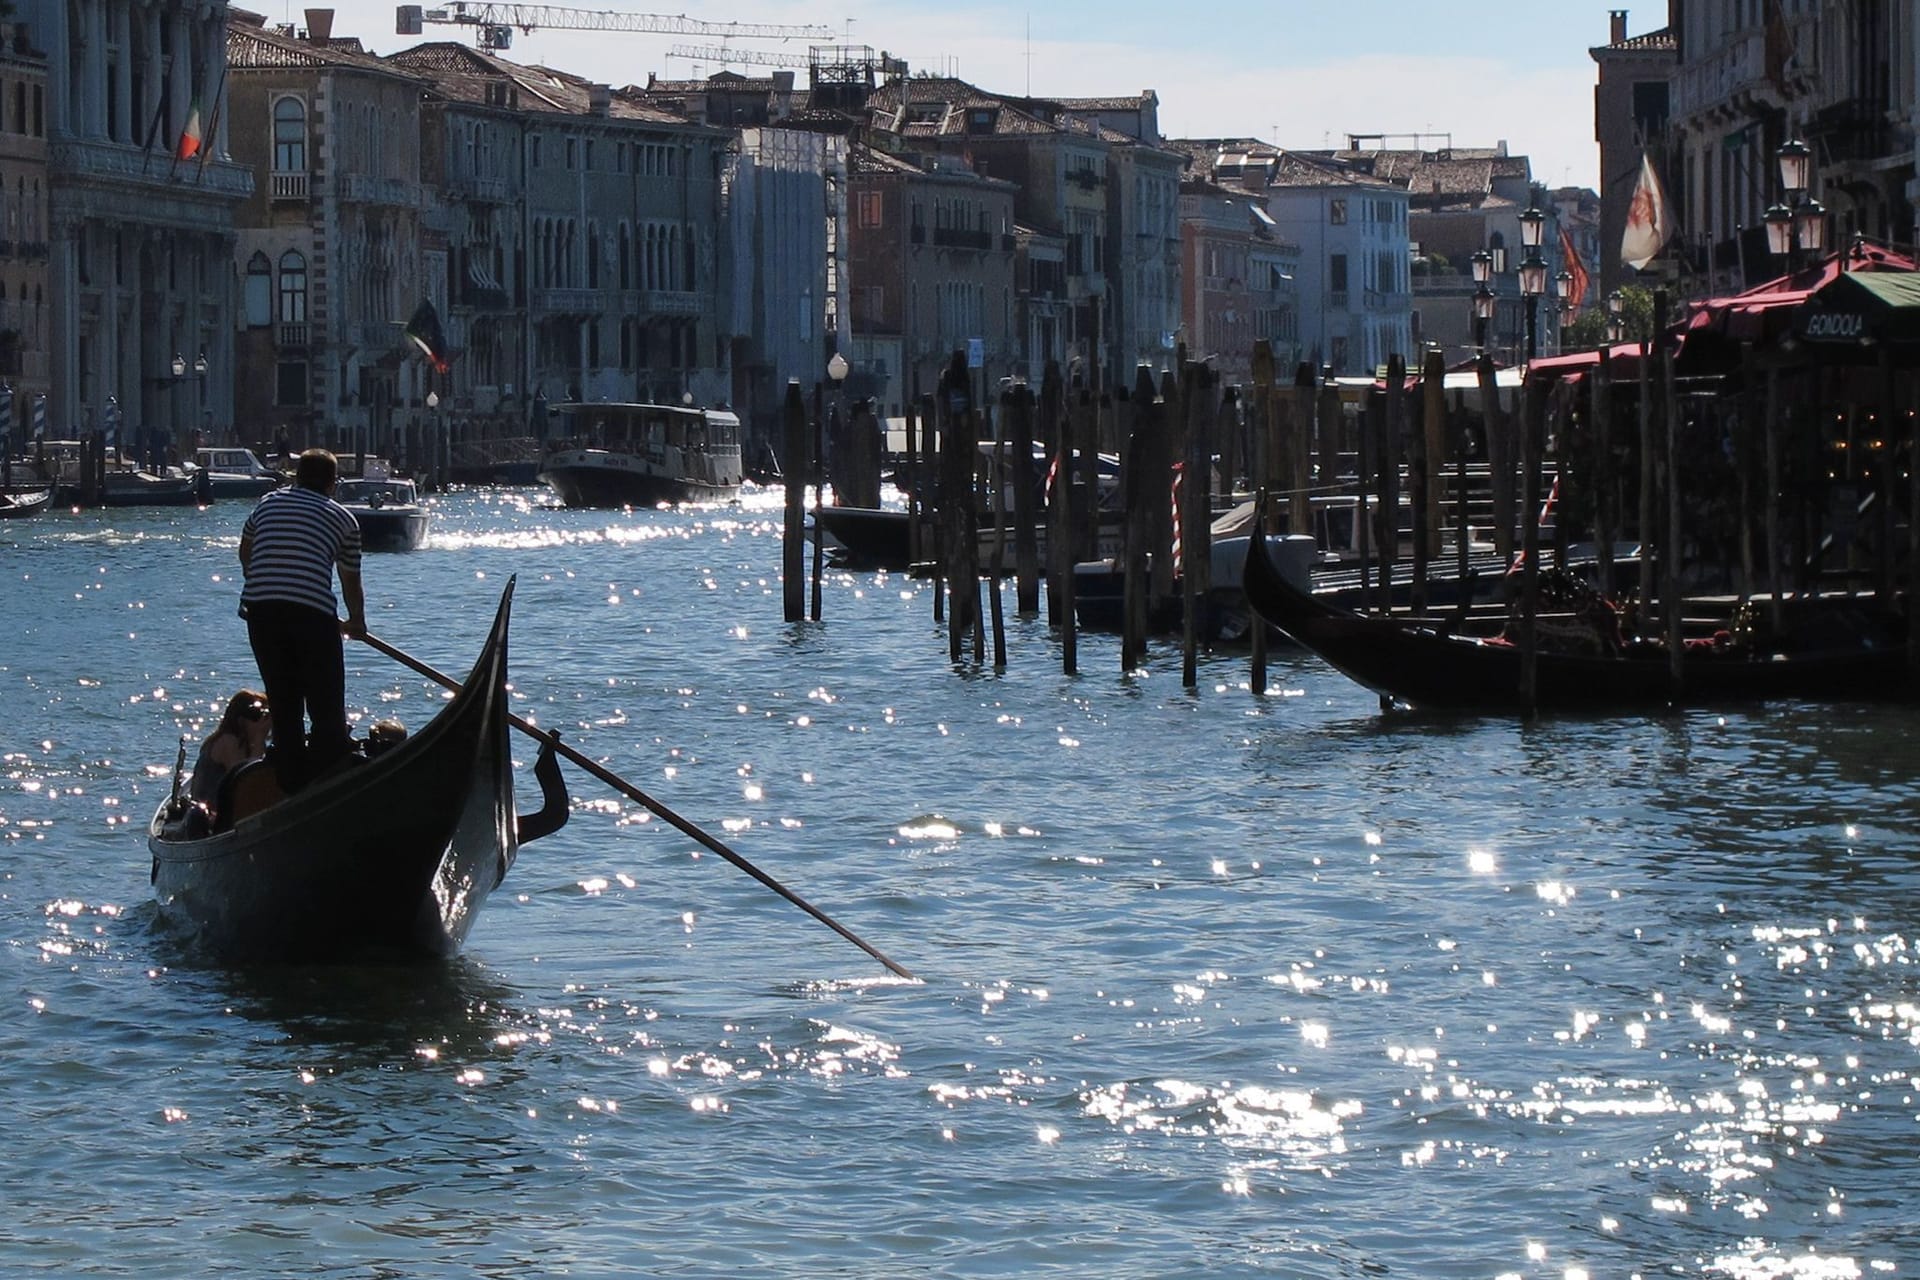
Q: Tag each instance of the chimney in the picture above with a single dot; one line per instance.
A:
(599, 99)
(1618, 20)
(319, 26)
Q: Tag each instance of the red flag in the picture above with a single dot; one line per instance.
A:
(1649, 219)
(190, 136)
(1575, 268)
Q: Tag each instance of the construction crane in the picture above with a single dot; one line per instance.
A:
(720, 54)
(495, 23)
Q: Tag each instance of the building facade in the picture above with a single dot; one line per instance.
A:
(25, 359)
(140, 217)
(330, 250)
(932, 272)
(1237, 281)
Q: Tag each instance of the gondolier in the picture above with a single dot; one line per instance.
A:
(290, 548)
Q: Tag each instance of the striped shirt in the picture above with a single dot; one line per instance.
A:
(298, 536)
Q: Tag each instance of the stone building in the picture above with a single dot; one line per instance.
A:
(1840, 76)
(140, 217)
(1109, 193)
(1353, 282)
(330, 251)
(1632, 101)
(932, 267)
(1237, 281)
(617, 255)
(25, 358)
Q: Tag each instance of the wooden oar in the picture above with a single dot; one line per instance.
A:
(634, 793)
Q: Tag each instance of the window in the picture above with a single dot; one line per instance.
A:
(289, 136)
(259, 295)
(293, 288)
(1337, 213)
(871, 208)
(1337, 273)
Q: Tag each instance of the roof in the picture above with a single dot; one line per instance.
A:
(1207, 157)
(463, 74)
(1661, 41)
(253, 47)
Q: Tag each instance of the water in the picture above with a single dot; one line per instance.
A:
(1214, 984)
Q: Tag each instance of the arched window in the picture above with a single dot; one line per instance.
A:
(289, 136)
(293, 288)
(259, 294)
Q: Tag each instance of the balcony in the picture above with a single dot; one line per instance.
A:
(960, 238)
(1732, 82)
(1336, 299)
(359, 188)
(663, 302)
(481, 190)
(570, 302)
(287, 185)
(92, 160)
(290, 335)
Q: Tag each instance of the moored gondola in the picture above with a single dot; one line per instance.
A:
(1830, 649)
(393, 854)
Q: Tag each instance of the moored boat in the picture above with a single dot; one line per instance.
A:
(24, 502)
(388, 511)
(643, 455)
(393, 853)
(1826, 648)
(233, 472)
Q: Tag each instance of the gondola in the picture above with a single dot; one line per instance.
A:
(389, 855)
(1829, 649)
(24, 504)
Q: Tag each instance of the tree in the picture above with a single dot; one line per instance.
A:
(1589, 329)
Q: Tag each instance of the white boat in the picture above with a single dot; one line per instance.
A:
(643, 455)
(388, 510)
(236, 473)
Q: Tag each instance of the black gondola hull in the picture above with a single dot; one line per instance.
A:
(1425, 668)
(397, 854)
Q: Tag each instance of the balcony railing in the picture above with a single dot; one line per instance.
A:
(961, 238)
(92, 159)
(570, 302)
(481, 190)
(363, 189)
(287, 185)
(290, 334)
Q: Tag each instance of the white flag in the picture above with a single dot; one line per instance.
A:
(1649, 219)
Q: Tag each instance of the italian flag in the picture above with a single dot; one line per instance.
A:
(190, 140)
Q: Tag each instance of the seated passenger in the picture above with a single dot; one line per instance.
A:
(240, 736)
(384, 736)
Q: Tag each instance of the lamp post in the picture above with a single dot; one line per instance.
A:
(1533, 272)
(1563, 305)
(1796, 224)
(1484, 302)
(1616, 316)
(439, 440)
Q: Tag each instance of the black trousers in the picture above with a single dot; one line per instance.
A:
(303, 666)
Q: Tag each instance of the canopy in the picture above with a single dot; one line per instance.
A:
(1860, 309)
(1765, 312)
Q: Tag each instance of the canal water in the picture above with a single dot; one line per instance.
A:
(1213, 984)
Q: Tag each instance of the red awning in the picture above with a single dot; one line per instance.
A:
(1766, 311)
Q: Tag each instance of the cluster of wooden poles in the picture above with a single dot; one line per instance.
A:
(1294, 441)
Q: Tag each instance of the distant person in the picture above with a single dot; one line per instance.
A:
(240, 736)
(293, 542)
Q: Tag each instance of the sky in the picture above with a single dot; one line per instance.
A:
(1299, 73)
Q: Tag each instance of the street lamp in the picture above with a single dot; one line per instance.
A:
(1484, 303)
(1533, 272)
(1798, 223)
